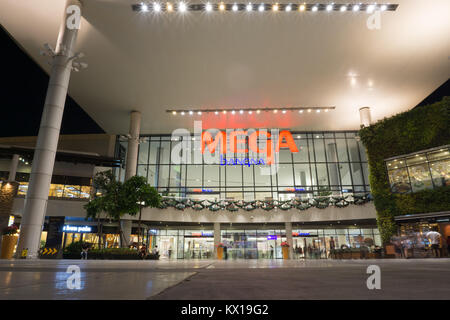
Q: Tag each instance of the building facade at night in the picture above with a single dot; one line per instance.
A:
(252, 140)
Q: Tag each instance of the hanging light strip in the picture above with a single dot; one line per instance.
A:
(157, 7)
(250, 110)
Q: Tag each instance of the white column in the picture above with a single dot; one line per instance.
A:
(288, 227)
(131, 165)
(365, 116)
(133, 144)
(217, 237)
(126, 229)
(47, 141)
(13, 167)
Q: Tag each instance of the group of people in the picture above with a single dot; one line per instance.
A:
(143, 251)
(404, 245)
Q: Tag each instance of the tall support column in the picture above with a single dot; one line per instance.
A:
(126, 230)
(365, 116)
(217, 237)
(131, 165)
(13, 167)
(47, 141)
(288, 227)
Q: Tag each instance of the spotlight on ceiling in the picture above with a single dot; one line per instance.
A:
(182, 7)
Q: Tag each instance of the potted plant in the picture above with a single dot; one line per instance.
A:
(9, 241)
(220, 251)
(285, 249)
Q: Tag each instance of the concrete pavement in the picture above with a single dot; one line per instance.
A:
(236, 280)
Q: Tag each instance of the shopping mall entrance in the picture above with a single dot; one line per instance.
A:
(259, 242)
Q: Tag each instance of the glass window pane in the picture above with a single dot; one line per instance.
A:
(177, 175)
(211, 175)
(285, 175)
(194, 175)
(440, 171)
(285, 156)
(319, 150)
(342, 150)
(152, 177)
(142, 170)
(143, 153)
(437, 155)
(154, 152)
(234, 176)
(362, 151)
(163, 176)
(302, 154)
(356, 173)
(261, 178)
(165, 152)
(344, 170)
(399, 180)
(71, 191)
(302, 175)
(322, 175)
(353, 149)
(248, 175)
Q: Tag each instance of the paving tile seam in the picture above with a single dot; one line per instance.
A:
(188, 278)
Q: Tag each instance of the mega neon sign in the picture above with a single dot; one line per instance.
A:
(240, 137)
(231, 147)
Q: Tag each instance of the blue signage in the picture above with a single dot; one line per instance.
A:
(272, 237)
(77, 229)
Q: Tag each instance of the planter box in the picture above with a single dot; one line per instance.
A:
(8, 244)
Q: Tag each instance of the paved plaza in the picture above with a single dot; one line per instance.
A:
(239, 279)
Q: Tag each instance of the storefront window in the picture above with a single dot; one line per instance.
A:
(419, 171)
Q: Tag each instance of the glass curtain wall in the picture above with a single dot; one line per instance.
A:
(327, 163)
(423, 170)
(261, 243)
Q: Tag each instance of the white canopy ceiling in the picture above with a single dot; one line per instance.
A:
(201, 60)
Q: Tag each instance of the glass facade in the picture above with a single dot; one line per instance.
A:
(422, 170)
(61, 186)
(259, 242)
(326, 163)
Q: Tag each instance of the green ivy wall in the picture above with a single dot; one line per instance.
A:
(415, 130)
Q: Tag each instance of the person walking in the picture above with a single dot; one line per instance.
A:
(435, 239)
(225, 252)
(271, 252)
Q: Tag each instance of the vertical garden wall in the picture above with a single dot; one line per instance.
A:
(415, 130)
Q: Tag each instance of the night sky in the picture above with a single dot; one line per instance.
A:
(23, 87)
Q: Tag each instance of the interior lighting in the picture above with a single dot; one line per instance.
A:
(182, 7)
